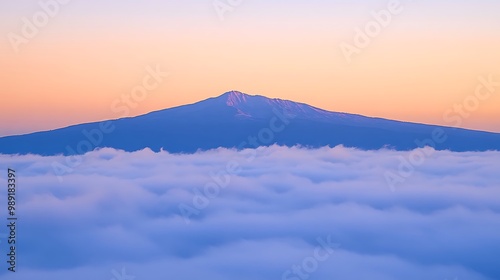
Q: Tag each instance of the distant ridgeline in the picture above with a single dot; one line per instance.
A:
(237, 120)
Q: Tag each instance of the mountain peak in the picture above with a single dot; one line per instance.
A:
(262, 107)
(258, 106)
(231, 118)
(233, 98)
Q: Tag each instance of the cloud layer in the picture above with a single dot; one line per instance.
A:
(255, 214)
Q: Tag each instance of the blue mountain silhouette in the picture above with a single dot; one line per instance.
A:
(238, 120)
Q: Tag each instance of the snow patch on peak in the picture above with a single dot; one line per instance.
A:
(261, 107)
(235, 97)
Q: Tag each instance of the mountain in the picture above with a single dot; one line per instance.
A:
(238, 120)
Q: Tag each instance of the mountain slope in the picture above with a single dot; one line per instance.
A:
(237, 120)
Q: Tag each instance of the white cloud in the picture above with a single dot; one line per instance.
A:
(121, 209)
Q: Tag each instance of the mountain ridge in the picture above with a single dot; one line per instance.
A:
(228, 119)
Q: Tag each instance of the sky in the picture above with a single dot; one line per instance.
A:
(66, 62)
(256, 214)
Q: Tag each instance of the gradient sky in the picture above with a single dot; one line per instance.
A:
(92, 52)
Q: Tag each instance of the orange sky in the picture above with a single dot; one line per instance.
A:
(419, 66)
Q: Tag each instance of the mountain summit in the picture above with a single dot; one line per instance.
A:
(258, 106)
(241, 100)
(234, 98)
(238, 120)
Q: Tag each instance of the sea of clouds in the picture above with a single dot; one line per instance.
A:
(270, 213)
